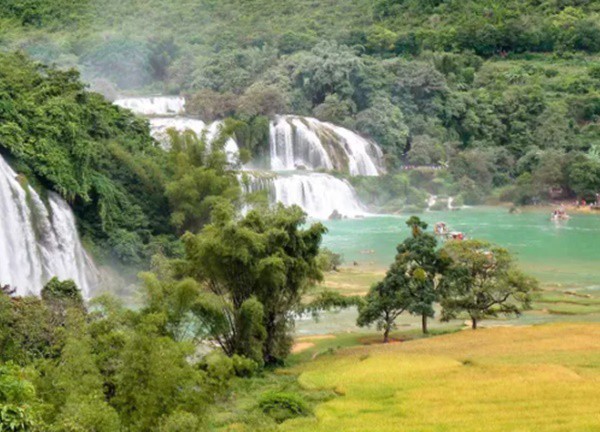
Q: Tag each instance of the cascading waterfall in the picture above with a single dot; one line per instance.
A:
(304, 142)
(298, 146)
(154, 106)
(320, 195)
(38, 240)
(160, 125)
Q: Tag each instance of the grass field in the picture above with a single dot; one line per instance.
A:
(539, 378)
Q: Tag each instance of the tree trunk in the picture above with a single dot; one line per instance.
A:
(424, 324)
(386, 335)
(474, 323)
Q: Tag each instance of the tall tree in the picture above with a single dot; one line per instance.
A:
(384, 303)
(424, 266)
(410, 283)
(483, 281)
(257, 270)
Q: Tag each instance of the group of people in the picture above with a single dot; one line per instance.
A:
(560, 214)
(441, 229)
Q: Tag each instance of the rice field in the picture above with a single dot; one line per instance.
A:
(528, 378)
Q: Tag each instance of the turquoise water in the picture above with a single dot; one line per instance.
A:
(566, 253)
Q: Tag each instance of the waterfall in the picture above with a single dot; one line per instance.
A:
(154, 106)
(319, 195)
(304, 142)
(160, 125)
(38, 240)
(297, 146)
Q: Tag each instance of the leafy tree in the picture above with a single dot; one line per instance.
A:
(199, 179)
(328, 68)
(258, 268)
(483, 282)
(386, 124)
(384, 302)
(409, 285)
(424, 266)
(155, 378)
(75, 385)
(584, 177)
(17, 400)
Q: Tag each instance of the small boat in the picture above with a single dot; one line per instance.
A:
(456, 235)
(559, 215)
(441, 229)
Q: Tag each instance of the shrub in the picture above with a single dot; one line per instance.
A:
(244, 367)
(282, 406)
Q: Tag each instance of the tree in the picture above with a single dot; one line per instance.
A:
(384, 302)
(327, 69)
(256, 270)
(199, 179)
(584, 177)
(17, 400)
(483, 281)
(385, 122)
(409, 285)
(423, 265)
(74, 384)
(156, 378)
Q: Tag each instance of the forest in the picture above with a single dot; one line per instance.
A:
(482, 100)
(503, 94)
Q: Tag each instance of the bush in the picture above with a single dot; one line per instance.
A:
(283, 406)
(244, 367)
(328, 260)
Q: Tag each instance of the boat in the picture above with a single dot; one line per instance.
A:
(440, 229)
(456, 235)
(559, 215)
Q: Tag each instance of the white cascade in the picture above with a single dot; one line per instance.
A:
(159, 127)
(154, 106)
(38, 241)
(319, 195)
(307, 143)
(298, 146)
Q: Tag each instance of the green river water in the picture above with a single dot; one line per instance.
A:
(558, 253)
(563, 256)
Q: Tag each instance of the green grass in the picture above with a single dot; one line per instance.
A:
(502, 379)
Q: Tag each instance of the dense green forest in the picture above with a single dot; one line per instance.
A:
(502, 97)
(506, 94)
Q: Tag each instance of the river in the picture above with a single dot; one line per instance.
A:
(564, 256)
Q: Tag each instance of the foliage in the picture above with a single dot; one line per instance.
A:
(328, 260)
(283, 406)
(257, 270)
(409, 285)
(483, 282)
(17, 395)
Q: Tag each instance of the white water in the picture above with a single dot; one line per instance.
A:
(318, 194)
(297, 144)
(154, 106)
(38, 242)
(304, 142)
(160, 125)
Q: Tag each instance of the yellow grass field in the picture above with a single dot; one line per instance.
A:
(542, 378)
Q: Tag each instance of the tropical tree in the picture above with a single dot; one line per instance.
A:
(424, 266)
(483, 282)
(255, 271)
(410, 283)
(385, 302)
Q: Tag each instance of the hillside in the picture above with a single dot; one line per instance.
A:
(505, 93)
